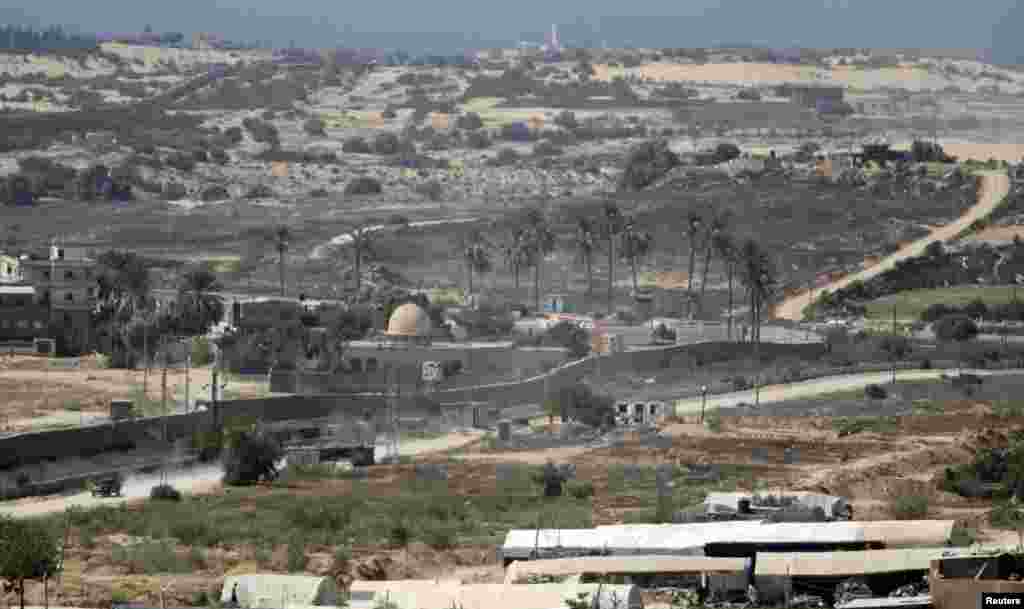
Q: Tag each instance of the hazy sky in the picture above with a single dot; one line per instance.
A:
(455, 24)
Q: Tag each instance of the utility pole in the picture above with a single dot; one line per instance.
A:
(894, 338)
(188, 367)
(163, 398)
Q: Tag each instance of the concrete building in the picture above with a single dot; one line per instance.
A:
(66, 287)
(809, 96)
(22, 318)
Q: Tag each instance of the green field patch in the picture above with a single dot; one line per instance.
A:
(911, 303)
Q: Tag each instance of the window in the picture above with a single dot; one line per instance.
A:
(69, 297)
(69, 275)
(38, 325)
(22, 324)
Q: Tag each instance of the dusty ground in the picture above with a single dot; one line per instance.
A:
(870, 468)
(37, 396)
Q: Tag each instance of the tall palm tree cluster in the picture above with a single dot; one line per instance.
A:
(616, 235)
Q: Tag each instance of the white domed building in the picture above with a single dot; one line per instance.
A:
(410, 324)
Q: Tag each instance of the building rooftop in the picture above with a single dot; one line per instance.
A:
(17, 289)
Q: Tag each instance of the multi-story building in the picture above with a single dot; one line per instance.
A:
(21, 316)
(66, 286)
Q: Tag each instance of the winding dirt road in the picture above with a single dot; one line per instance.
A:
(995, 186)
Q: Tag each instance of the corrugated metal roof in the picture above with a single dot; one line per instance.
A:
(622, 564)
(678, 538)
(428, 594)
(272, 590)
(754, 531)
(894, 533)
(815, 564)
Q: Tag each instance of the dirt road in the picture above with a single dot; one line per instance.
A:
(200, 479)
(994, 188)
(780, 393)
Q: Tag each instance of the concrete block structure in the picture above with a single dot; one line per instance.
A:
(66, 287)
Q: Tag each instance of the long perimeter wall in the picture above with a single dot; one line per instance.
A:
(95, 439)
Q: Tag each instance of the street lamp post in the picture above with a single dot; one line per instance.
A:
(703, 401)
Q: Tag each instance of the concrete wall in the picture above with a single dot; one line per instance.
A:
(90, 440)
(27, 448)
(532, 390)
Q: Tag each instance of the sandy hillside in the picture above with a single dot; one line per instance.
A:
(35, 395)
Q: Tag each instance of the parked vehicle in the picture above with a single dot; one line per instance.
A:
(108, 486)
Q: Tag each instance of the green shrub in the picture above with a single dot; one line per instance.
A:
(909, 507)
(202, 351)
(149, 558)
(196, 558)
(713, 420)
(400, 533)
(119, 597)
(581, 490)
(102, 361)
(440, 535)
(297, 556)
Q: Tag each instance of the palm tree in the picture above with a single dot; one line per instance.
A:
(585, 244)
(635, 247)
(515, 252)
(758, 275)
(281, 237)
(610, 229)
(476, 255)
(199, 308)
(726, 248)
(123, 292)
(540, 242)
(693, 222)
(718, 223)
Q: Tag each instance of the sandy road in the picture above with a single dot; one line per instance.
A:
(994, 188)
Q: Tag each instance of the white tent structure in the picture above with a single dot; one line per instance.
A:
(428, 594)
(279, 591)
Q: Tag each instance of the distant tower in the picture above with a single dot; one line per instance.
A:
(551, 44)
